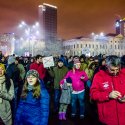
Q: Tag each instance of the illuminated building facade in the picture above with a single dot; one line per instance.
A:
(90, 47)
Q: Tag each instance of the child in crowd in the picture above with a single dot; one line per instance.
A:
(33, 107)
(65, 98)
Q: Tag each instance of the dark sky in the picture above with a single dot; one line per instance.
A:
(75, 17)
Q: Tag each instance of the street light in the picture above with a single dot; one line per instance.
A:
(31, 32)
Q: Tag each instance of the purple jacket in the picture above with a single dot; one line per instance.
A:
(77, 83)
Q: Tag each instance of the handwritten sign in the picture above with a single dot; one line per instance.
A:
(48, 61)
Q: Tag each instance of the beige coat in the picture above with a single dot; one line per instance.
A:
(5, 98)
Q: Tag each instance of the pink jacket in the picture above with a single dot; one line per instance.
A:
(77, 83)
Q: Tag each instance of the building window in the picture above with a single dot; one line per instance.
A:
(74, 46)
(86, 45)
(77, 45)
(119, 54)
(118, 46)
(93, 45)
(115, 47)
(81, 45)
(89, 46)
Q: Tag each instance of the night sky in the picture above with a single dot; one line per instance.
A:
(75, 17)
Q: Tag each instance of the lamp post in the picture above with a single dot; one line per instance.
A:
(30, 33)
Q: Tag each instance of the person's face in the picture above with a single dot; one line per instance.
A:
(81, 60)
(16, 62)
(60, 64)
(91, 60)
(32, 60)
(40, 59)
(114, 70)
(77, 65)
(3, 59)
(1, 71)
(103, 62)
(31, 80)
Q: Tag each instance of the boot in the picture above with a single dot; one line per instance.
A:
(60, 115)
(64, 115)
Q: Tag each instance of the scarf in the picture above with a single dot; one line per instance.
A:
(2, 81)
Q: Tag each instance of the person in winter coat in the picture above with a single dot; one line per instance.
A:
(13, 73)
(79, 78)
(33, 108)
(6, 95)
(58, 74)
(108, 90)
(38, 66)
(65, 98)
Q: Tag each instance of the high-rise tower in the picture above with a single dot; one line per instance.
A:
(48, 21)
(120, 26)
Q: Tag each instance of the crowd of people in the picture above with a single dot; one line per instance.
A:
(26, 96)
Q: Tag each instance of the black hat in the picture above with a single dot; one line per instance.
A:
(68, 80)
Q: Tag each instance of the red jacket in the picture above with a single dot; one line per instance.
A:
(40, 69)
(111, 111)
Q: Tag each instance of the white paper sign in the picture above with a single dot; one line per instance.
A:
(48, 61)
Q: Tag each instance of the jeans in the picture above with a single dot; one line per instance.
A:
(57, 93)
(80, 98)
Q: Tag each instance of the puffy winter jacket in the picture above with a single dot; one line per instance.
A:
(33, 111)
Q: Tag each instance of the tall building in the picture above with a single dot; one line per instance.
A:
(120, 26)
(48, 21)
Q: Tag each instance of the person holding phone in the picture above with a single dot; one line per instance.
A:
(79, 78)
(108, 90)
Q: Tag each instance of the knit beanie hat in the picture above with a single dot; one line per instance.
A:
(2, 66)
(11, 59)
(33, 73)
(60, 60)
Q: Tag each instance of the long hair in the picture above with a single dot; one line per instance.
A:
(36, 90)
(8, 83)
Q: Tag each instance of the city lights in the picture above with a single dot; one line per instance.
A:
(29, 35)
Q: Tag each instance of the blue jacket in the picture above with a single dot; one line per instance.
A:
(32, 111)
